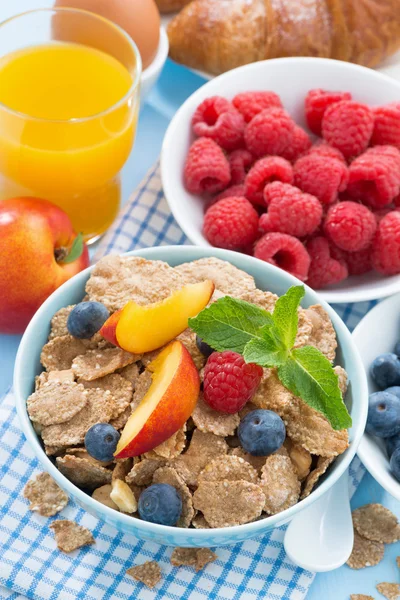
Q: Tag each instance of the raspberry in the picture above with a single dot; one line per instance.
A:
(359, 263)
(374, 177)
(211, 109)
(206, 168)
(284, 251)
(321, 176)
(348, 126)
(230, 192)
(251, 103)
(270, 132)
(385, 254)
(387, 125)
(240, 162)
(234, 191)
(299, 145)
(350, 226)
(382, 212)
(231, 223)
(324, 149)
(290, 210)
(316, 103)
(230, 382)
(218, 119)
(264, 171)
(324, 270)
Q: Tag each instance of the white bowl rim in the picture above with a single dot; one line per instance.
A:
(250, 529)
(388, 482)
(329, 295)
(161, 56)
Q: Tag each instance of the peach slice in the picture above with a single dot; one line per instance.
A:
(109, 328)
(167, 405)
(145, 328)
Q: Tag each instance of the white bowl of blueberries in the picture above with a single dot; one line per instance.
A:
(378, 340)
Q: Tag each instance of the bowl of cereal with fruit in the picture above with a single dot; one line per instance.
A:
(295, 161)
(190, 396)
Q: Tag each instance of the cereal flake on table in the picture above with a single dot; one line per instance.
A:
(45, 496)
(360, 597)
(192, 557)
(149, 573)
(70, 536)
(377, 523)
(365, 553)
(391, 591)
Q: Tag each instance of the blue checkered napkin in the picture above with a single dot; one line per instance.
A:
(30, 564)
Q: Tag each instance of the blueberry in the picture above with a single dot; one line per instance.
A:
(86, 319)
(385, 370)
(395, 463)
(397, 349)
(160, 503)
(392, 443)
(204, 348)
(394, 390)
(101, 441)
(261, 432)
(383, 415)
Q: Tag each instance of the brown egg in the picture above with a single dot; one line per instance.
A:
(139, 18)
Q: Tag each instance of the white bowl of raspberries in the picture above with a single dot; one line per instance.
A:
(297, 162)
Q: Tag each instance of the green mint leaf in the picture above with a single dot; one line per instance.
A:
(75, 250)
(285, 315)
(229, 324)
(308, 374)
(265, 352)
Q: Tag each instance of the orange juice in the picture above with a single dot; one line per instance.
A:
(67, 123)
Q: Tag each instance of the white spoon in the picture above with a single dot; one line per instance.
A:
(320, 538)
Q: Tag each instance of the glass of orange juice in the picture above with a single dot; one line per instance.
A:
(69, 101)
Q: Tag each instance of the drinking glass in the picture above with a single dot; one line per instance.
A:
(69, 102)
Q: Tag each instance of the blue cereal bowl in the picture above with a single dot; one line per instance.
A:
(267, 277)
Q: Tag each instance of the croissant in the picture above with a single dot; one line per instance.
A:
(167, 6)
(218, 35)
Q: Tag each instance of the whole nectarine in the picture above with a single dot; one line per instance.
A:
(35, 238)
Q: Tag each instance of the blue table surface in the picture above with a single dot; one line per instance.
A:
(174, 86)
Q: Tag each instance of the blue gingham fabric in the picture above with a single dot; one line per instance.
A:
(30, 564)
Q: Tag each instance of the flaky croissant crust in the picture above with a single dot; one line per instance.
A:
(218, 35)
